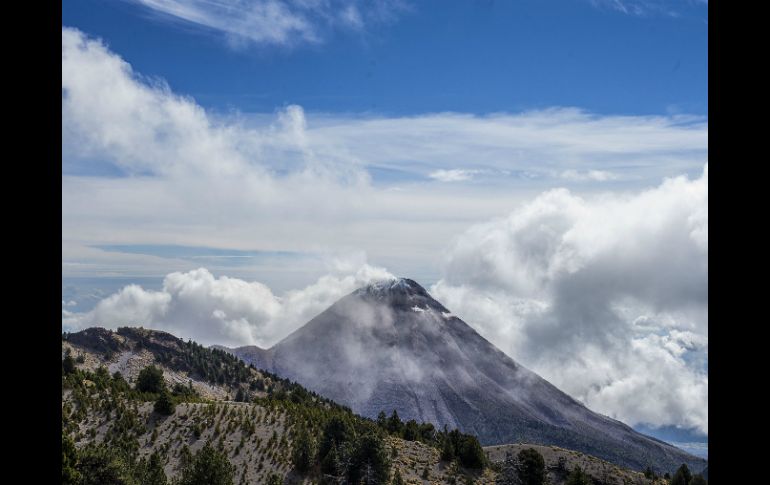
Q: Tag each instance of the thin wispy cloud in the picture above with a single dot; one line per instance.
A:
(588, 175)
(275, 22)
(453, 175)
(640, 8)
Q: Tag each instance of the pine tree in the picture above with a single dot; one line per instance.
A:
(154, 474)
(698, 480)
(165, 404)
(68, 364)
(208, 467)
(448, 450)
(578, 477)
(532, 467)
(369, 461)
(470, 453)
(397, 480)
(382, 420)
(395, 426)
(150, 379)
(69, 459)
(682, 476)
(303, 454)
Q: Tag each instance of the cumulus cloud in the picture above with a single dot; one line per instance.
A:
(275, 22)
(606, 297)
(222, 310)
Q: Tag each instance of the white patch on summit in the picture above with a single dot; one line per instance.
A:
(418, 309)
(447, 315)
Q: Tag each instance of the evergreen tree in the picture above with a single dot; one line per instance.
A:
(99, 466)
(532, 467)
(336, 432)
(698, 480)
(382, 421)
(303, 454)
(411, 431)
(68, 364)
(447, 450)
(578, 477)
(682, 476)
(150, 379)
(395, 426)
(165, 404)
(154, 474)
(208, 467)
(470, 453)
(369, 462)
(331, 464)
(274, 479)
(69, 460)
(397, 480)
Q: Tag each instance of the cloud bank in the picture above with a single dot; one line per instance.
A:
(607, 298)
(221, 310)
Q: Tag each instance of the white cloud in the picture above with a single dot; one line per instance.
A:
(454, 175)
(274, 22)
(231, 181)
(222, 310)
(605, 297)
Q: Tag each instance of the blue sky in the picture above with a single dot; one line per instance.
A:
(230, 169)
(467, 56)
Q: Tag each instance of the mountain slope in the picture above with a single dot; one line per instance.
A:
(114, 431)
(390, 345)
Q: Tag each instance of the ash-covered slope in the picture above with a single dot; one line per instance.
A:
(390, 345)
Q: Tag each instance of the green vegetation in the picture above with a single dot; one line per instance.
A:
(113, 432)
(207, 467)
(531, 467)
(578, 477)
(165, 404)
(150, 379)
(698, 480)
(303, 455)
(683, 476)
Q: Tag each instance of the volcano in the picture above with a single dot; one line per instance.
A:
(390, 345)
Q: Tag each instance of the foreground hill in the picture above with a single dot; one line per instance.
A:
(116, 433)
(390, 345)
